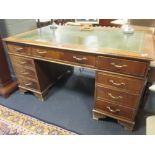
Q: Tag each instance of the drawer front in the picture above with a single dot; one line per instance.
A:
(115, 110)
(117, 97)
(24, 62)
(19, 49)
(25, 72)
(28, 83)
(81, 59)
(46, 53)
(122, 66)
(120, 82)
(54, 54)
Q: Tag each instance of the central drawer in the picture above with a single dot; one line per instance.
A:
(77, 58)
(115, 110)
(66, 56)
(117, 97)
(125, 66)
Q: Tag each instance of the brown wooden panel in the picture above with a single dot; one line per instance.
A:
(24, 62)
(62, 55)
(117, 97)
(115, 110)
(28, 83)
(25, 72)
(121, 82)
(46, 53)
(80, 59)
(19, 49)
(131, 67)
(48, 73)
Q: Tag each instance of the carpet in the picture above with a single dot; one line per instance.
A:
(16, 123)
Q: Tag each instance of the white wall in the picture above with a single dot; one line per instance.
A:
(10, 27)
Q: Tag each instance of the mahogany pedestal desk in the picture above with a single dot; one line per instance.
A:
(121, 62)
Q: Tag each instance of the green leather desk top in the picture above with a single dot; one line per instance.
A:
(99, 40)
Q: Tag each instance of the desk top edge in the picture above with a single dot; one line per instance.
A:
(149, 53)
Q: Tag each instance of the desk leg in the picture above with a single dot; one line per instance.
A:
(22, 90)
(97, 116)
(127, 125)
(42, 97)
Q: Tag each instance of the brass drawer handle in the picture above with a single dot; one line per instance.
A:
(17, 49)
(79, 59)
(23, 62)
(25, 73)
(118, 66)
(116, 84)
(111, 110)
(42, 52)
(114, 97)
(28, 84)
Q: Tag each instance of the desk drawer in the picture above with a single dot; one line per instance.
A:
(121, 82)
(24, 62)
(115, 110)
(28, 83)
(61, 55)
(131, 67)
(46, 53)
(117, 97)
(81, 59)
(19, 49)
(25, 72)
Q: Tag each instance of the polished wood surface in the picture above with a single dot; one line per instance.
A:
(17, 48)
(23, 71)
(22, 61)
(115, 110)
(122, 82)
(130, 67)
(7, 85)
(121, 63)
(116, 96)
(36, 76)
